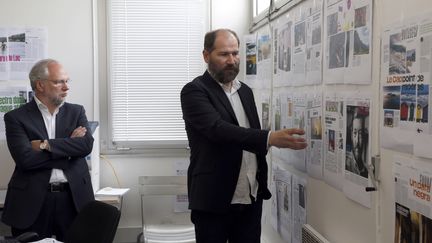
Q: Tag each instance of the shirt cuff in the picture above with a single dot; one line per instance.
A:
(268, 140)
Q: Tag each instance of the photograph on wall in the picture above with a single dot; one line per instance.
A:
(314, 52)
(293, 115)
(413, 208)
(251, 60)
(348, 39)
(334, 152)
(20, 48)
(405, 81)
(12, 97)
(357, 147)
(299, 201)
(357, 140)
(314, 136)
(283, 52)
(264, 61)
(282, 181)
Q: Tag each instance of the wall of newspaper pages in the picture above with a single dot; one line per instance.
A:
(325, 77)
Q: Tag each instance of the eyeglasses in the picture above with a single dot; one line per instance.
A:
(58, 82)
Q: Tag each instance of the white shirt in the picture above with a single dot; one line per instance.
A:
(57, 175)
(247, 184)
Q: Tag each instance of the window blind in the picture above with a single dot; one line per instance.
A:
(155, 48)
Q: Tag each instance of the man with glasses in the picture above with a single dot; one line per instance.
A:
(48, 139)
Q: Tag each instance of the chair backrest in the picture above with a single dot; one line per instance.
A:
(163, 185)
(174, 227)
(96, 223)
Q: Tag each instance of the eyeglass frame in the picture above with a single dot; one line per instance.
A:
(58, 82)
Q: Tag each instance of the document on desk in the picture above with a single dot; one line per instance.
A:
(108, 191)
(47, 240)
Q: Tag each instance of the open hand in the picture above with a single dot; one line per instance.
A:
(288, 138)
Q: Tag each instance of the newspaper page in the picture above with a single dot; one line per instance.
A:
(251, 60)
(314, 151)
(277, 117)
(314, 42)
(283, 52)
(4, 55)
(334, 136)
(299, 202)
(413, 207)
(296, 158)
(299, 50)
(264, 61)
(20, 48)
(357, 148)
(181, 202)
(12, 97)
(265, 110)
(284, 203)
(406, 62)
(348, 37)
(273, 199)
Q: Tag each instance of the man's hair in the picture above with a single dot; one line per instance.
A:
(210, 38)
(40, 71)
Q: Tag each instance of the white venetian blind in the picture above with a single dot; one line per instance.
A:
(155, 48)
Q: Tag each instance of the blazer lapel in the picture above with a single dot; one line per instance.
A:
(60, 128)
(247, 102)
(36, 116)
(217, 90)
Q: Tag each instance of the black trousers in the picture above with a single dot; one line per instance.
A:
(242, 224)
(55, 217)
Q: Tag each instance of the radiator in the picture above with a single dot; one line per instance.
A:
(310, 235)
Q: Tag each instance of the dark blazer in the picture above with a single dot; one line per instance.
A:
(217, 142)
(29, 182)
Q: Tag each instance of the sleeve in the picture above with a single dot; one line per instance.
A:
(73, 147)
(200, 113)
(19, 144)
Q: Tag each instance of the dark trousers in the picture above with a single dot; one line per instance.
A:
(242, 224)
(55, 217)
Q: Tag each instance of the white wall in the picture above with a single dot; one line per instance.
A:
(70, 41)
(337, 218)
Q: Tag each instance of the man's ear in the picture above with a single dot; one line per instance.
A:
(206, 56)
(39, 85)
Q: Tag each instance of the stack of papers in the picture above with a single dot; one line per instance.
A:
(111, 195)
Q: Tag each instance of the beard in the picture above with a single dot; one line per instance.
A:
(56, 101)
(224, 75)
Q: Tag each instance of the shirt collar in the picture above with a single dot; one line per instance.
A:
(235, 86)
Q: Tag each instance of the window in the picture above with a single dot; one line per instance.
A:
(261, 6)
(154, 48)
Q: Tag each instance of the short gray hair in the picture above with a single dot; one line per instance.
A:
(40, 71)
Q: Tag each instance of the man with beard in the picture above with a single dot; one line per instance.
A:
(356, 156)
(227, 175)
(48, 140)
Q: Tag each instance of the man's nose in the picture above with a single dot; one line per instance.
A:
(231, 59)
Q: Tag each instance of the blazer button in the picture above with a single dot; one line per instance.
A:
(69, 158)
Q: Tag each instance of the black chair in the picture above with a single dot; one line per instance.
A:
(96, 223)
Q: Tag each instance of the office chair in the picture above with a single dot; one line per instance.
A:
(23, 238)
(96, 223)
(177, 228)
